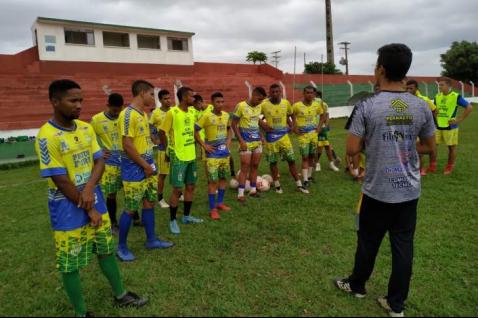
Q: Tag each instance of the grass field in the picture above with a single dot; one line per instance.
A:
(275, 257)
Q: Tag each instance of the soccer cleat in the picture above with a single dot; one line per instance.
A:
(333, 167)
(344, 285)
(163, 204)
(306, 184)
(214, 215)
(157, 244)
(317, 167)
(423, 172)
(255, 195)
(181, 198)
(448, 170)
(383, 302)
(131, 300)
(189, 219)
(124, 254)
(432, 168)
(337, 161)
(242, 200)
(174, 228)
(303, 190)
(279, 190)
(223, 207)
(311, 180)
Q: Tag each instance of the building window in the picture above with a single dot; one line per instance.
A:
(148, 42)
(84, 37)
(116, 39)
(177, 44)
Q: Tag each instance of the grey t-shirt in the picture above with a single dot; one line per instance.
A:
(390, 123)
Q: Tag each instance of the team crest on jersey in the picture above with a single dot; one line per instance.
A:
(63, 146)
(187, 121)
(399, 105)
(105, 128)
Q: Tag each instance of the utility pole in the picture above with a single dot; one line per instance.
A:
(346, 60)
(276, 57)
(329, 31)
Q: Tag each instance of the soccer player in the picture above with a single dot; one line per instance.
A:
(179, 126)
(412, 88)
(106, 128)
(277, 125)
(71, 159)
(324, 137)
(216, 145)
(389, 123)
(138, 169)
(307, 127)
(157, 118)
(245, 123)
(447, 102)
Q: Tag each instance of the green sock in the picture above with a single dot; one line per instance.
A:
(72, 284)
(110, 269)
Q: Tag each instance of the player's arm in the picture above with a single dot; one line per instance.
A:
(354, 145)
(230, 135)
(197, 136)
(295, 127)
(162, 138)
(323, 119)
(133, 154)
(264, 125)
(235, 128)
(468, 109)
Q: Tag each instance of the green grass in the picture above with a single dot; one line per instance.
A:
(275, 257)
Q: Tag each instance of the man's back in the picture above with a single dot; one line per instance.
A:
(390, 123)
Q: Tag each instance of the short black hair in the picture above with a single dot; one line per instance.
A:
(182, 92)
(260, 90)
(396, 59)
(163, 93)
(58, 88)
(216, 95)
(274, 86)
(319, 93)
(198, 98)
(310, 87)
(412, 82)
(140, 86)
(115, 100)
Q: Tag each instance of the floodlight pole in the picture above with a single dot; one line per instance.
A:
(346, 49)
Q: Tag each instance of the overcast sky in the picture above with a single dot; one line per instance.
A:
(227, 30)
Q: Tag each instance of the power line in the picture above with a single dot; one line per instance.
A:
(276, 57)
(345, 61)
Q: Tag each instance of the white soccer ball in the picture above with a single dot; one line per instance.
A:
(263, 185)
(234, 184)
(268, 178)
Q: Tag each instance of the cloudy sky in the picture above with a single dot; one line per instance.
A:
(227, 30)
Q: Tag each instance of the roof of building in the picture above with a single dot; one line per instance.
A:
(104, 25)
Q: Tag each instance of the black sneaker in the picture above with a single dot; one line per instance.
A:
(131, 300)
(306, 184)
(311, 180)
(344, 285)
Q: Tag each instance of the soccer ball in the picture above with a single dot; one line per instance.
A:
(268, 178)
(234, 184)
(263, 185)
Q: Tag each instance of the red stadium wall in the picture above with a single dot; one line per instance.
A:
(24, 83)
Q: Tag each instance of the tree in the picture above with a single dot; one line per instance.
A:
(460, 62)
(256, 56)
(317, 68)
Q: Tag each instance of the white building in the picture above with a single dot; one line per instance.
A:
(67, 40)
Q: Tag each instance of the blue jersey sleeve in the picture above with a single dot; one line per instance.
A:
(462, 102)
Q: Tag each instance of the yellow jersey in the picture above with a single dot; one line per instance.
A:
(135, 124)
(306, 116)
(69, 152)
(276, 116)
(248, 117)
(157, 118)
(107, 130)
(216, 131)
